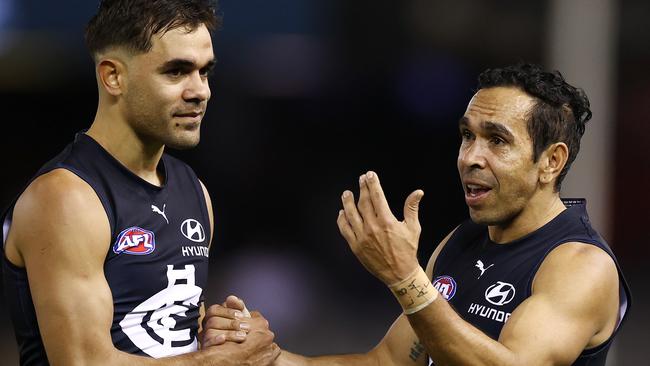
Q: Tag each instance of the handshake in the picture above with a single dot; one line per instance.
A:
(241, 337)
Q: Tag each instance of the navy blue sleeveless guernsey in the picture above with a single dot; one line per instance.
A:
(156, 263)
(485, 281)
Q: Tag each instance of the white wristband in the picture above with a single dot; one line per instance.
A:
(415, 292)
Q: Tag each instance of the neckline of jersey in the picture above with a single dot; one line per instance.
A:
(579, 210)
(161, 164)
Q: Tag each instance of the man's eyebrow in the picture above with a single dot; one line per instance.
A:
(179, 63)
(488, 126)
(496, 127)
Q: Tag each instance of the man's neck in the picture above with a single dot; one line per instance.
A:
(119, 139)
(541, 209)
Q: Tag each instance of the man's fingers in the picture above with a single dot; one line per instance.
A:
(219, 323)
(351, 212)
(346, 229)
(257, 321)
(377, 197)
(411, 209)
(215, 338)
(223, 312)
(366, 209)
(233, 302)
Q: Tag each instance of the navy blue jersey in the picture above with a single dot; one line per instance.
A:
(156, 263)
(485, 281)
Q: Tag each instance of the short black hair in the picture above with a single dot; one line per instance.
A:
(560, 113)
(132, 23)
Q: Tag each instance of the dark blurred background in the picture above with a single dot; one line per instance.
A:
(308, 94)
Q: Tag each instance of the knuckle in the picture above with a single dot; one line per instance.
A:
(371, 232)
(209, 334)
(235, 336)
(213, 309)
(210, 323)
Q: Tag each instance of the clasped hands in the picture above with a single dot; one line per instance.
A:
(230, 324)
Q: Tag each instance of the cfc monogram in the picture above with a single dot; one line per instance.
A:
(157, 326)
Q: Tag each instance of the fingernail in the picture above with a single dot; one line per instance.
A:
(241, 334)
(362, 178)
(244, 326)
(370, 175)
(346, 194)
(238, 314)
(340, 212)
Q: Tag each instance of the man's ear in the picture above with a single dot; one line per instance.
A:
(552, 161)
(112, 76)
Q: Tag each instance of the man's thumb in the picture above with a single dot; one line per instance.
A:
(411, 207)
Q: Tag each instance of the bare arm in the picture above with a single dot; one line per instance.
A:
(61, 234)
(400, 346)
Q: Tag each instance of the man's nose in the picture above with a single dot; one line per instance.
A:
(472, 155)
(197, 89)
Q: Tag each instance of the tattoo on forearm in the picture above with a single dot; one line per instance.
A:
(416, 351)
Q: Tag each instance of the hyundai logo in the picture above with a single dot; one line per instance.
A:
(500, 293)
(193, 230)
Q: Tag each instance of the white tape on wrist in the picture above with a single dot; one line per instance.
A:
(415, 292)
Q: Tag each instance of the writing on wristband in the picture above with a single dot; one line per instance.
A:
(415, 292)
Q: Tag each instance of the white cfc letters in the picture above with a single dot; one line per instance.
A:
(152, 327)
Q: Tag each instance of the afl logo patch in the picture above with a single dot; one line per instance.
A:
(446, 286)
(193, 230)
(500, 293)
(135, 240)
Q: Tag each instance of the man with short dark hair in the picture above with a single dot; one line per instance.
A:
(526, 281)
(106, 250)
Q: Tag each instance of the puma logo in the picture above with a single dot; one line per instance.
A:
(481, 267)
(161, 213)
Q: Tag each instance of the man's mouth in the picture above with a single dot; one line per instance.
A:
(476, 193)
(189, 114)
(474, 190)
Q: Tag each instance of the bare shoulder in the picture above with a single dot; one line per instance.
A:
(54, 205)
(582, 279)
(581, 262)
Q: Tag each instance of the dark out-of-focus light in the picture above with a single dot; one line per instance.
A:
(432, 85)
(282, 286)
(7, 12)
(286, 65)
